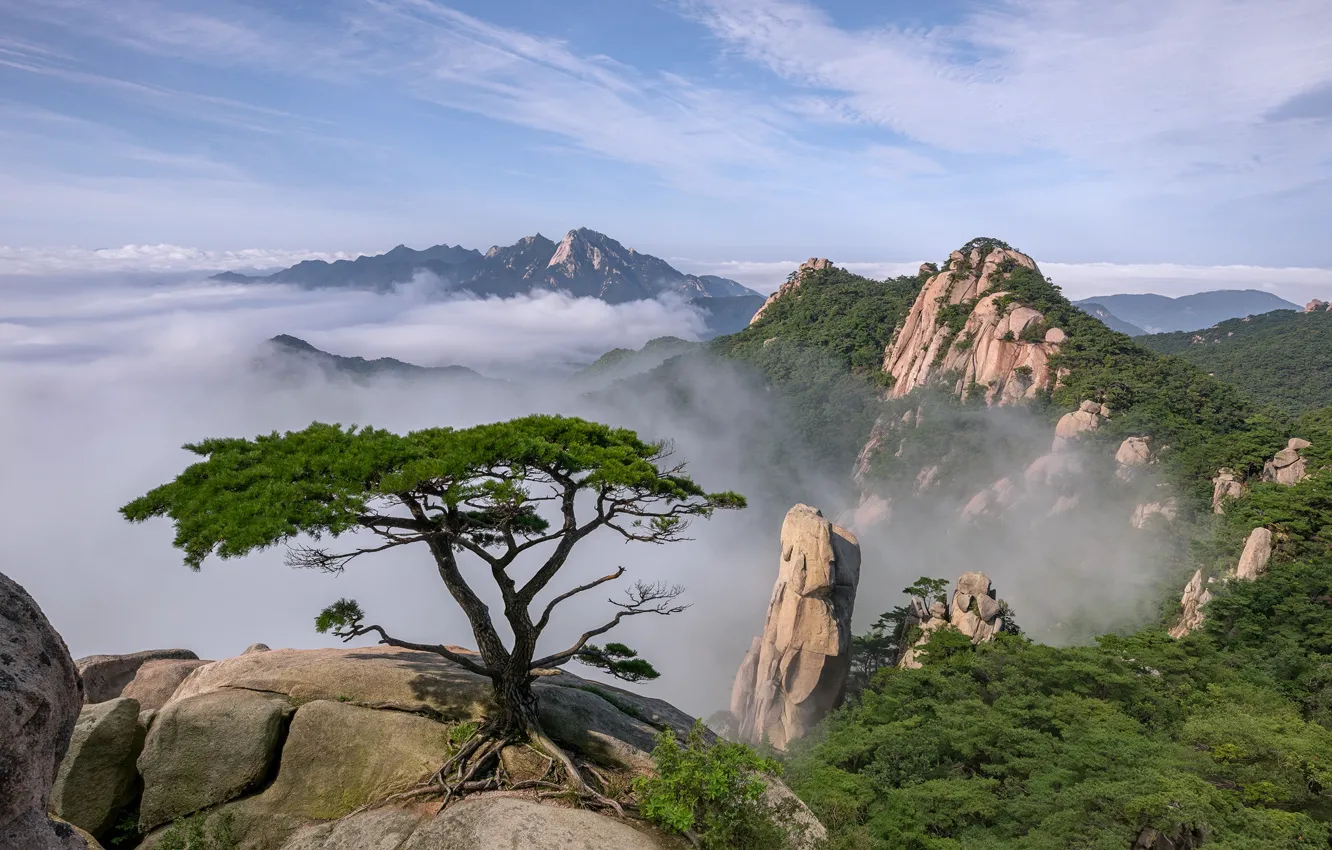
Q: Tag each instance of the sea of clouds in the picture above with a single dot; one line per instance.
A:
(104, 377)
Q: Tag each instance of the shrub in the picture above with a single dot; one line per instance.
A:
(713, 792)
(197, 833)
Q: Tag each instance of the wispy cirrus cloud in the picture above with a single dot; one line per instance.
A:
(1178, 90)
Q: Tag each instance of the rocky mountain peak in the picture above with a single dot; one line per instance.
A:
(960, 323)
(813, 264)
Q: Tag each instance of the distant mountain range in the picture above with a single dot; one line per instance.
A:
(284, 354)
(1109, 319)
(585, 263)
(1149, 314)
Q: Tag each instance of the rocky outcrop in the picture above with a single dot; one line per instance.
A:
(999, 346)
(1133, 454)
(1166, 509)
(1072, 425)
(1196, 595)
(813, 264)
(1226, 485)
(1287, 466)
(208, 749)
(40, 697)
(973, 610)
(339, 757)
(1317, 305)
(97, 779)
(105, 676)
(796, 672)
(1252, 564)
(158, 679)
(1257, 552)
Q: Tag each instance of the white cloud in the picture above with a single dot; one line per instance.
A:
(1084, 280)
(150, 258)
(1178, 90)
(91, 318)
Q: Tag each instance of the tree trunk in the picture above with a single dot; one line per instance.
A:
(517, 715)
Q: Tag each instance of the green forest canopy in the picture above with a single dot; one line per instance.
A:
(1282, 358)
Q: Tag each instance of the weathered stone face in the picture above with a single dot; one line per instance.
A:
(989, 351)
(208, 749)
(40, 698)
(1226, 485)
(1196, 595)
(1257, 552)
(795, 673)
(1252, 564)
(97, 777)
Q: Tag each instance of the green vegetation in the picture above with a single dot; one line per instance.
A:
(1018, 745)
(1205, 423)
(199, 832)
(472, 492)
(1282, 358)
(840, 315)
(624, 361)
(713, 793)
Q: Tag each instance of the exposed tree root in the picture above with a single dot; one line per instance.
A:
(476, 767)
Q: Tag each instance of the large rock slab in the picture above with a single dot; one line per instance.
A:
(105, 676)
(804, 655)
(373, 676)
(338, 757)
(508, 823)
(156, 681)
(374, 829)
(589, 723)
(98, 777)
(40, 698)
(208, 749)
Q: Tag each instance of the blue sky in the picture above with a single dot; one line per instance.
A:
(1143, 131)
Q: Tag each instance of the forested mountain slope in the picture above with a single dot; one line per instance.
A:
(1135, 739)
(1282, 358)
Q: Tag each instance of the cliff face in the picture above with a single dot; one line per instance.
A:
(960, 323)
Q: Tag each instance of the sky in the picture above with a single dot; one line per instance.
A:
(1190, 133)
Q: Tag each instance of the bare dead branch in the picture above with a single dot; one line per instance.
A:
(545, 615)
(309, 558)
(643, 599)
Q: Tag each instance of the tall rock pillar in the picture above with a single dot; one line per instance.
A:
(795, 672)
